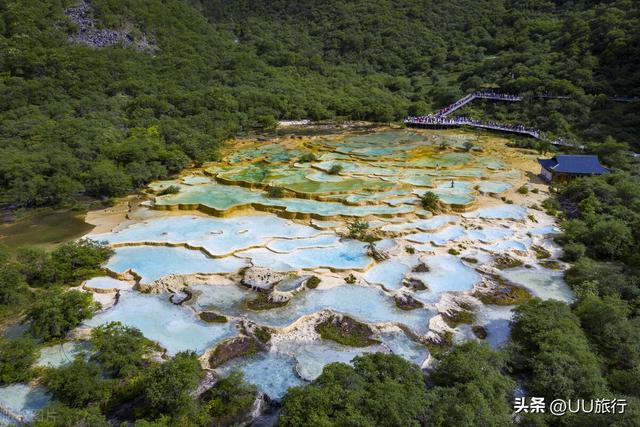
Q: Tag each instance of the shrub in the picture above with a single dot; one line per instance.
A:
(523, 190)
(167, 386)
(313, 282)
(358, 229)
(453, 251)
(120, 349)
(275, 192)
(172, 189)
(263, 334)
(350, 279)
(229, 401)
(307, 157)
(16, 358)
(430, 201)
(573, 251)
(56, 313)
(335, 170)
(78, 384)
(551, 205)
(378, 390)
(346, 331)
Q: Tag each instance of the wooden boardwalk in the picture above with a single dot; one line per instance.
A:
(8, 417)
(440, 120)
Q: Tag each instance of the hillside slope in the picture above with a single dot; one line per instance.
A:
(78, 119)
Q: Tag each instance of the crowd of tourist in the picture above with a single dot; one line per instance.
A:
(470, 97)
(460, 121)
(440, 118)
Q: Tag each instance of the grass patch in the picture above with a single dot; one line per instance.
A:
(262, 302)
(172, 189)
(211, 317)
(541, 253)
(346, 331)
(479, 331)
(503, 262)
(505, 295)
(335, 170)
(232, 348)
(307, 157)
(263, 334)
(407, 302)
(459, 317)
(551, 264)
(275, 192)
(313, 282)
(453, 252)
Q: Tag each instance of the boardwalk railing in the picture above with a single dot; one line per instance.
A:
(11, 418)
(440, 119)
(473, 96)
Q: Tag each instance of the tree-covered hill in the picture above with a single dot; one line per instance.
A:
(102, 121)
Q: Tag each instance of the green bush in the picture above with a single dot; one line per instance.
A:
(275, 192)
(167, 386)
(573, 251)
(229, 401)
(56, 312)
(172, 189)
(335, 169)
(78, 384)
(430, 201)
(313, 282)
(358, 229)
(120, 349)
(379, 390)
(307, 158)
(16, 358)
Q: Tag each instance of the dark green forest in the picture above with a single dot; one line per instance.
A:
(76, 120)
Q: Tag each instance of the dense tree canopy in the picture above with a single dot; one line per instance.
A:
(56, 313)
(379, 390)
(471, 388)
(551, 350)
(120, 349)
(16, 358)
(103, 121)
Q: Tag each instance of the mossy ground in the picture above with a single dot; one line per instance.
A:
(541, 253)
(232, 348)
(551, 264)
(458, 317)
(211, 317)
(505, 295)
(262, 302)
(503, 262)
(263, 334)
(346, 331)
(313, 282)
